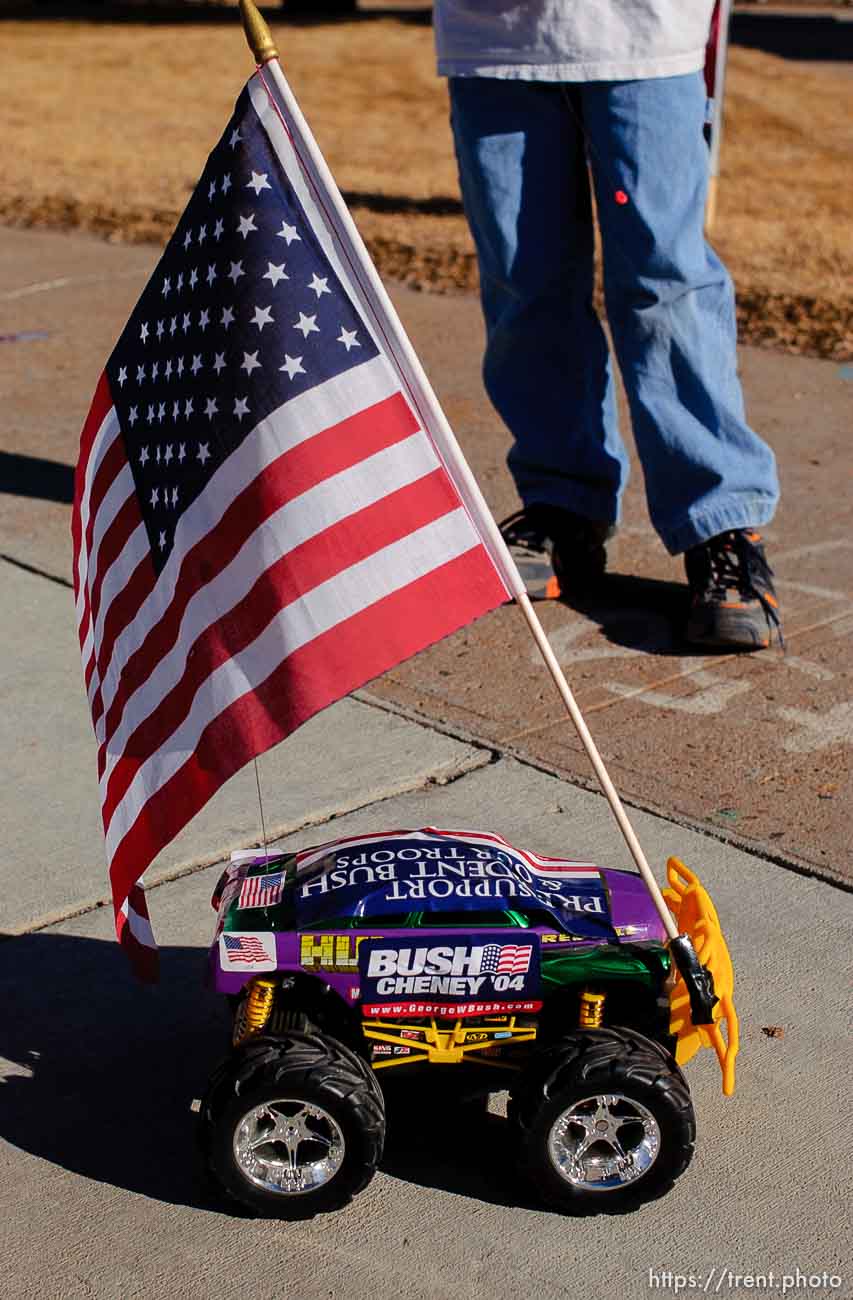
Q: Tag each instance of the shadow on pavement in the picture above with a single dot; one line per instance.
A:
(439, 205)
(794, 36)
(32, 476)
(103, 1070)
(437, 1138)
(98, 1074)
(642, 614)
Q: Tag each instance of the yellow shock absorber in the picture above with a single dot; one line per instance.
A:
(255, 1011)
(591, 1010)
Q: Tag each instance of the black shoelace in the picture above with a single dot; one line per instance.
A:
(734, 561)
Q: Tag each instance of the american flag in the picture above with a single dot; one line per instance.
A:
(261, 891)
(266, 513)
(245, 948)
(506, 958)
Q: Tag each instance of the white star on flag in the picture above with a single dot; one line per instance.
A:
(347, 337)
(307, 324)
(293, 366)
(275, 273)
(250, 362)
(258, 182)
(263, 316)
(247, 224)
(319, 286)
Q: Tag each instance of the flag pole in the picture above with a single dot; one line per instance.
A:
(261, 44)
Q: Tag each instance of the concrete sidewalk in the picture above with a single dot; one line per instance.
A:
(101, 1195)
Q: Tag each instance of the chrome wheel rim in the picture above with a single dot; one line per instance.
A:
(288, 1146)
(603, 1143)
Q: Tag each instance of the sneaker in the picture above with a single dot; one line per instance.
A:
(732, 599)
(557, 553)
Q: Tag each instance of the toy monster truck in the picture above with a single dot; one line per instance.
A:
(411, 950)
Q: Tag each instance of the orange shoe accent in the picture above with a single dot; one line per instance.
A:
(552, 589)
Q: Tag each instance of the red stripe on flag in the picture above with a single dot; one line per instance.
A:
(114, 539)
(126, 521)
(98, 411)
(144, 959)
(316, 560)
(122, 611)
(112, 463)
(387, 632)
(302, 467)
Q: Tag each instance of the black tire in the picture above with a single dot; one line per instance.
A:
(566, 1077)
(346, 1121)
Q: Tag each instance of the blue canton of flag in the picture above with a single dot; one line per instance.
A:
(243, 312)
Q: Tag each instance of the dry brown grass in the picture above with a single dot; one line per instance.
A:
(109, 126)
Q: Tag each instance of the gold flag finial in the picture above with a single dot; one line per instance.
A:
(257, 33)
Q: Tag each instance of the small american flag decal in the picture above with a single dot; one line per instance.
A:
(247, 952)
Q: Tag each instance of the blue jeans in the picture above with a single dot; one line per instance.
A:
(670, 304)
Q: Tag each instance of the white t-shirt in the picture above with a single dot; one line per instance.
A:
(571, 40)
